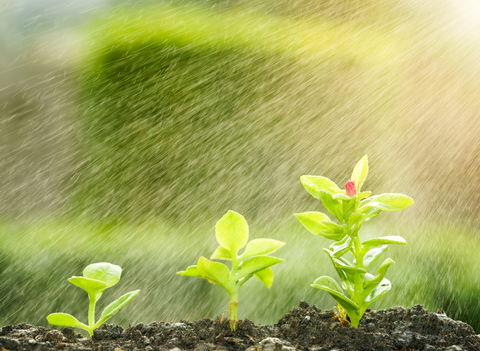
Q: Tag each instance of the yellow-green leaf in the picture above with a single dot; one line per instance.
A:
(106, 272)
(65, 320)
(232, 232)
(257, 263)
(313, 221)
(191, 271)
(221, 253)
(360, 172)
(315, 185)
(214, 272)
(261, 247)
(265, 276)
(91, 286)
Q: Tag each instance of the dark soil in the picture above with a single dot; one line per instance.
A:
(303, 328)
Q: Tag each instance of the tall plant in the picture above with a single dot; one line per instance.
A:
(352, 207)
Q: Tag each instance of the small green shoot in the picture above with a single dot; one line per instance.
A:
(352, 208)
(232, 234)
(96, 278)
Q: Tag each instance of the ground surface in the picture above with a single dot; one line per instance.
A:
(303, 328)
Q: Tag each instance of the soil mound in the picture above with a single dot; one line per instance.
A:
(305, 328)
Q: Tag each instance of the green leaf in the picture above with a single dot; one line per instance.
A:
(103, 271)
(333, 206)
(341, 196)
(373, 255)
(355, 219)
(65, 320)
(346, 268)
(315, 185)
(360, 172)
(385, 241)
(342, 247)
(91, 286)
(348, 283)
(261, 247)
(215, 272)
(312, 221)
(370, 284)
(364, 194)
(329, 285)
(116, 306)
(191, 271)
(221, 253)
(319, 224)
(257, 263)
(381, 290)
(232, 232)
(265, 276)
(387, 202)
(373, 212)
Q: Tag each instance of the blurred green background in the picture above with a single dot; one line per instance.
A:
(126, 134)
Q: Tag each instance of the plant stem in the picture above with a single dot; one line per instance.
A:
(91, 312)
(233, 305)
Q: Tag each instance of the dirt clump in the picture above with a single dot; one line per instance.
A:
(304, 328)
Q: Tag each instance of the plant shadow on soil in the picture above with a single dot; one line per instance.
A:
(303, 328)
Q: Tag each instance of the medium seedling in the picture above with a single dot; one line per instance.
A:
(96, 278)
(352, 208)
(232, 235)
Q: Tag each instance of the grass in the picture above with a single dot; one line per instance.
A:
(199, 27)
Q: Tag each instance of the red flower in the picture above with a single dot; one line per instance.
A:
(350, 188)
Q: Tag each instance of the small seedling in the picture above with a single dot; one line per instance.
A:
(352, 208)
(96, 278)
(232, 234)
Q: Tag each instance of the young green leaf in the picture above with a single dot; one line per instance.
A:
(116, 306)
(384, 241)
(265, 276)
(333, 206)
(316, 185)
(221, 253)
(313, 221)
(191, 271)
(91, 286)
(329, 285)
(232, 232)
(370, 284)
(342, 247)
(360, 172)
(106, 272)
(65, 320)
(373, 255)
(214, 272)
(381, 290)
(342, 197)
(388, 202)
(257, 263)
(259, 247)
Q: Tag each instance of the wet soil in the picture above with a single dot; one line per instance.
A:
(304, 328)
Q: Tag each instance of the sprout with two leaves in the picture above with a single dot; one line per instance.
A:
(96, 278)
(232, 234)
(352, 208)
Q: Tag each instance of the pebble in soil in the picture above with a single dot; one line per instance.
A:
(303, 328)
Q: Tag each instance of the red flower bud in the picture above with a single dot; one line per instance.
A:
(350, 188)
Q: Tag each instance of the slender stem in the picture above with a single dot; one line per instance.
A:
(358, 264)
(233, 305)
(91, 311)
